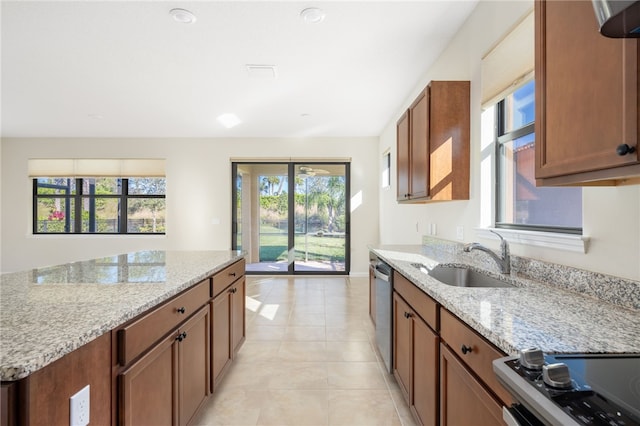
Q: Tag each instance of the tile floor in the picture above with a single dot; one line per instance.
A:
(308, 359)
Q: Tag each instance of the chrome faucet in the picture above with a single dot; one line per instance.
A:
(504, 260)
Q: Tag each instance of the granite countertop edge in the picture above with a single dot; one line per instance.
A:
(23, 353)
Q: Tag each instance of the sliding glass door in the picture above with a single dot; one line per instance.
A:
(292, 218)
(320, 220)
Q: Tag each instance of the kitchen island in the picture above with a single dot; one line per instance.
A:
(89, 310)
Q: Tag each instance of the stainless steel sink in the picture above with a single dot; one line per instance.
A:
(460, 276)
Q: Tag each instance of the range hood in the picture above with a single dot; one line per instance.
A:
(618, 18)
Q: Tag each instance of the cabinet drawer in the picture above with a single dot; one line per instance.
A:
(224, 278)
(424, 305)
(456, 334)
(135, 337)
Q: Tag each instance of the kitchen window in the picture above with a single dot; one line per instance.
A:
(100, 205)
(519, 203)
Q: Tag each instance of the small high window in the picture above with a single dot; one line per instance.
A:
(386, 169)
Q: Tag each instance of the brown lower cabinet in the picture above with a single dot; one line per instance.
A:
(221, 336)
(415, 354)
(147, 389)
(442, 366)
(463, 399)
(168, 384)
(416, 362)
(228, 331)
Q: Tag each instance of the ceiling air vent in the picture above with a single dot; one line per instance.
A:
(261, 72)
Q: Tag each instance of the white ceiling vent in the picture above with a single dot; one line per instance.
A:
(261, 72)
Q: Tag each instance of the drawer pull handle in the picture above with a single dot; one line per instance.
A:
(625, 149)
(466, 349)
(232, 274)
(408, 315)
(181, 310)
(181, 336)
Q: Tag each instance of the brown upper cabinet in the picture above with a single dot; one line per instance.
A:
(433, 144)
(587, 98)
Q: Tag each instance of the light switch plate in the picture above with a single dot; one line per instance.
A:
(460, 233)
(79, 408)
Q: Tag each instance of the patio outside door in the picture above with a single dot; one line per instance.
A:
(292, 218)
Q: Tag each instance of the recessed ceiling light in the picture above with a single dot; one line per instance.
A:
(96, 116)
(229, 120)
(182, 16)
(312, 15)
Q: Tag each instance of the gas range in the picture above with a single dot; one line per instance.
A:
(574, 389)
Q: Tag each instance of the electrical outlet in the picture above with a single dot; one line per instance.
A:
(79, 408)
(434, 229)
(460, 233)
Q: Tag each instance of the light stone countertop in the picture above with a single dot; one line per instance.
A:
(533, 314)
(48, 312)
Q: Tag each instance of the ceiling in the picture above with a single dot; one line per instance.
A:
(127, 69)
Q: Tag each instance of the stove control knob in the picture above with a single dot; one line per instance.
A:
(532, 359)
(557, 375)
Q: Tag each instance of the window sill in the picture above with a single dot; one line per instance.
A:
(88, 236)
(566, 242)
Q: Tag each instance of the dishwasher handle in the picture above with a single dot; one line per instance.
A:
(382, 272)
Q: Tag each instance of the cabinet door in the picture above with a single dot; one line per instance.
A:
(586, 101)
(463, 400)
(424, 399)
(7, 404)
(194, 363)
(220, 335)
(148, 391)
(449, 135)
(402, 335)
(237, 315)
(419, 142)
(402, 157)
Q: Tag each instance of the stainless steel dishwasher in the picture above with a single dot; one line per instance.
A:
(384, 306)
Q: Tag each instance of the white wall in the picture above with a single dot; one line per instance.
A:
(611, 216)
(198, 190)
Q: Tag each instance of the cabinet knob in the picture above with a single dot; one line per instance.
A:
(625, 149)
(233, 290)
(408, 315)
(466, 349)
(181, 336)
(181, 310)
(232, 274)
